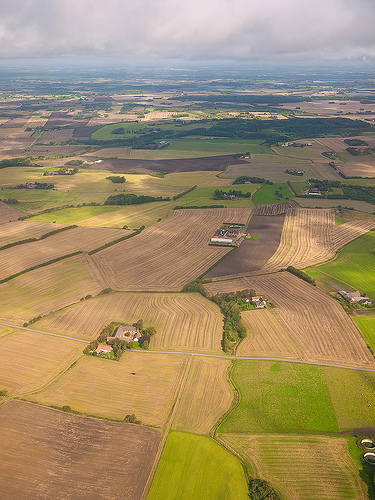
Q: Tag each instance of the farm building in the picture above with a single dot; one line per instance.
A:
(314, 191)
(126, 333)
(103, 349)
(355, 297)
(259, 302)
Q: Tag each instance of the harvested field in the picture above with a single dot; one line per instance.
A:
(69, 454)
(182, 321)
(210, 163)
(310, 236)
(274, 208)
(54, 136)
(302, 467)
(8, 214)
(11, 232)
(61, 119)
(252, 255)
(29, 360)
(207, 395)
(326, 203)
(363, 168)
(316, 323)
(141, 383)
(168, 254)
(84, 132)
(32, 254)
(18, 122)
(265, 337)
(47, 289)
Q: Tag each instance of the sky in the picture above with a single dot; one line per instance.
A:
(289, 31)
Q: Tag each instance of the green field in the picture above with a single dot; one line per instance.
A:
(73, 215)
(267, 194)
(203, 196)
(355, 265)
(367, 326)
(195, 467)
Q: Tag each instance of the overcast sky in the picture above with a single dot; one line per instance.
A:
(236, 30)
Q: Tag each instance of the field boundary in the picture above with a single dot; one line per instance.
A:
(30, 240)
(110, 243)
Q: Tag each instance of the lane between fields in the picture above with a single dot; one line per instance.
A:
(221, 356)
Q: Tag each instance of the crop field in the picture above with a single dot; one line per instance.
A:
(204, 196)
(47, 289)
(57, 442)
(366, 324)
(169, 254)
(73, 215)
(185, 322)
(302, 467)
(354, 265)
(24, 256)
(11, 232)
(265, 337)
(29, 360)
(315, 203)
(251, 256)
(316, 323)
(362, 168)
(212, 473)
(310, 236)
(8, 213)
(141, 383)
(207, 395)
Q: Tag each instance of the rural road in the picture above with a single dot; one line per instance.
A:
(221, 356)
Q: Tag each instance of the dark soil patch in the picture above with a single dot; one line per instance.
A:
(364, 312)
(59, 119)
(209, 163)
(252, 255)
(363, 431)
(47, 454)
(85, 132)
(15, 123)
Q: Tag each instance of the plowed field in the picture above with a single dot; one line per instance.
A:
(316, 323)
(310, 236)
(48, 454)
(169, 254)
(24, 256)
(22, 230)
(302, 467)
(182, 321)
(141, 383)
(207, 395)
(265, 337)
(8, 213)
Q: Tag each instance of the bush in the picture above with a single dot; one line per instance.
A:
(301, 274)
(262, 490)
(195, 286)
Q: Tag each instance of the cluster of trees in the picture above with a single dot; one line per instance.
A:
(184, 192)
(349, 191)
(181, 207)
(254, 180)
(132, 199)
(301, 274)
(10, 201)
(116, 179)
(222, 195)
(262, 490)
(359, 151)
(37, 185)
(17, 162)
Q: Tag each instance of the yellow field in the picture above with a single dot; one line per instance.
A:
(8, 213)
(183, 321)
(24, 256)
(207, 395)
(141, 383)
(310, 236)
(302, 467)
(29, 360)
(169, 254)
(316, 323)
(45, 290)
(265, 337)
(22, 230)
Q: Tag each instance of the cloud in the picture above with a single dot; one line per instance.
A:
(288, 30)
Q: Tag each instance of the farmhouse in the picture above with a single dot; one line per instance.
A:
(103, 349)
(314, 190)
(355, 298)
(258, 302)
(126, 333)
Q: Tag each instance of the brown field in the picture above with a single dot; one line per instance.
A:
(47, 289)
(48, 454)
(274, 208)
(316, 323)
(8, 213)
(186, 322)
(265, 337)
(29, 360)
(142, 383)
(207, 395)
(19, 258)
(251, 256)
(302, 467)
(62, 119)
(54, 136)
(168, 254)
(209, 163)
(324, 108)
(325, 203)
(310, 236)
(11, 232)
(365, 167)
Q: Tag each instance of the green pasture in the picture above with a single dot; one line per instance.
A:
(267, 194)
(367, 326)
(195, 467)
(299, 186)
(73, 215)
(355, 265)
(280, 398)
(216, 146)
(203, 196)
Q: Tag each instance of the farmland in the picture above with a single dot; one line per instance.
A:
(207, 395)
(56, 441)
(199, 478)
(35, 253)
(268, 193)
(166, 256)
(21, 230)
(28, 360)
(143, 384)
(182, 321)
(316, 323)
(302, 467)
(367, 326)
(8, 213)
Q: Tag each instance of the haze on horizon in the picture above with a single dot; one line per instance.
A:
(214, 30)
